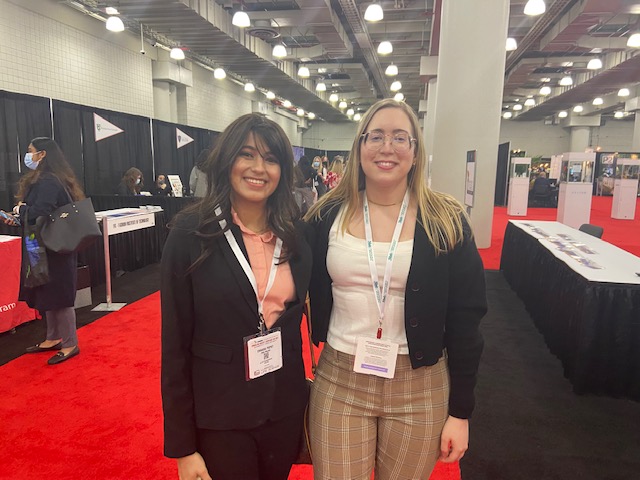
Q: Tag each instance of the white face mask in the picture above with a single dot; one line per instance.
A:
(137, 181)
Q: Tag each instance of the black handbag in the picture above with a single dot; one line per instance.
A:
(304, 454)
(71, 227)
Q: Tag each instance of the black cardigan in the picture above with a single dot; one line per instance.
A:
(445, 300)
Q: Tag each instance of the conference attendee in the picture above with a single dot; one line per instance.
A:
(131, 183)
(198, 178)
(302, 193)
(162, 187)
(397, 294)
(234, 278)
(49, 184)
(334, 175)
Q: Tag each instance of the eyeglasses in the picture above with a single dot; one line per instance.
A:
(401, 142)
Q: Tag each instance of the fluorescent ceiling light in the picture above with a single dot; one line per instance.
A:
(563, 114)
(517, 107)
(545, 80)
(597, 101)
(373, 13)
(618, 114)
(249, 87)
(357, 117)
(279, 51)
(578, 109)
(304, 72)
(322, 70)
(219, 74)
(391, 71)
(342, 105)
(176, 53)
(300, 112)
(594, 64)
(566, 81)
(311, 115)
(507, 115)
(241, 19)
(634, 40)
(286, 104)
(114, 24)
(529, 102)
(395, 86)
(545, 90)
(112, 11)
(321, 87)
(333, 97)
(271, 95)
(385, 48)
(511, 44)
(624, 92)
(534, 8)
(398, 97)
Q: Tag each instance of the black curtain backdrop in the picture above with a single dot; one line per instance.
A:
(22, 117)
(502, 169)
(67, 129)
(171, 160)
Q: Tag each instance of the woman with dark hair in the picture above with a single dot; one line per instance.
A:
(198, 182)
(162, 187)
(234, 276)
(50, 184)
(131, 183)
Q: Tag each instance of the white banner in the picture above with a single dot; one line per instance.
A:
(104, 129)
(182, 138)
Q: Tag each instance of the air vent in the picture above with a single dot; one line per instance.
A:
(263, 30)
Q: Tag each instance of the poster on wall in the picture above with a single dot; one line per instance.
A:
(182, 138)
(470, 182)
(104, 129)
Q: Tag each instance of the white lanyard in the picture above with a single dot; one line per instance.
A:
(231, 240)
(381, 293)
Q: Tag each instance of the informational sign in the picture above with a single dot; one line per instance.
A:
(470, 182)
(124, 222)
(176, 185)
(182, 138)
(104, 129)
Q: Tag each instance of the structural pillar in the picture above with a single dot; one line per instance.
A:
(469, 101)
(580, 139)
(430, 119)
(635, 144)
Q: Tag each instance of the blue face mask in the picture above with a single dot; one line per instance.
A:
(29, 161)
(316, 164)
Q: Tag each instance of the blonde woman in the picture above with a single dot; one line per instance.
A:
(334, 175)
(397, 294)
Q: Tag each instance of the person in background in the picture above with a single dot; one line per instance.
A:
(198, 178)
(131, 183)
(320, 175)
(301, 191)
(162, 188)
(50, 184)
(397, 293)
(234, 275)
(334, 175)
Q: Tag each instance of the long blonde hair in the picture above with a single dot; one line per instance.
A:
(440, 214)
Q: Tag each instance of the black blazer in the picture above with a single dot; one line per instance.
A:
(445, 300)
(205, 316)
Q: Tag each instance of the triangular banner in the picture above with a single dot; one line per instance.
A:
(182, 138)
(104, 129)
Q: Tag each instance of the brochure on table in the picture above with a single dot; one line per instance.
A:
(176, 185)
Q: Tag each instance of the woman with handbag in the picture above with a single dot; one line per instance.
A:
(234, 275)
(49, 184)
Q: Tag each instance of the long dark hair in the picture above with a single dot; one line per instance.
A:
(52, 163)
(282, 209)
(129, 179)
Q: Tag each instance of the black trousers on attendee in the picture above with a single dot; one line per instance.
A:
(262, 453)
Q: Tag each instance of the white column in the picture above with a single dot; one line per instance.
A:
(469, 101)
(580, 139)
(635, 143)
(430, 120)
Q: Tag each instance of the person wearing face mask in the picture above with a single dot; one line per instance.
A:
(131, 183)
(49, 184)
(162, 188)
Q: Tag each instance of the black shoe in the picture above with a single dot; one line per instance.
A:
(61, 357)
(37, 348)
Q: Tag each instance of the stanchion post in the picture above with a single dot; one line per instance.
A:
(109, 306)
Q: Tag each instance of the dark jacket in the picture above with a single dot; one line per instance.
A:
(205, 316)
(444, 301)
(44, 197)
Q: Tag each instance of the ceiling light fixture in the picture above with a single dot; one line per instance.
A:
(300, 112)
(618, 114)
(249, 87)
(578, 109)
(219, 74)
(177, 53)
(303, 72)
(373, 13)
(391, 71)
(566, 81)
(597, 101)
(311, 115)
(395, 86)
(507, 115)
(271, 95)
(545, 90)
(279, 51)
(321, 87)
(286, 104)
(333, 98)
(357, 117)
(563, 114)
(634, 40)
(241, 19)
(624, 92)
(594, 64)
(385, 48)
(398, 97)
(114, 24)
(534, 8)
(350, 112)
(112, 11)
(517, 107)
(529, 102)
(342, 105)
(511, 44)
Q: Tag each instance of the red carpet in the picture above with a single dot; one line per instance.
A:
(622, 233)
(97, 416)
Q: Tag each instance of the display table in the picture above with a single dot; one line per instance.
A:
(584, 296)
(12, 312)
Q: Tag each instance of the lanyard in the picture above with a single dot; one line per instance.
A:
(381, 293)
(231, 240)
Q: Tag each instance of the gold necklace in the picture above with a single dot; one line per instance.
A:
(382, 204)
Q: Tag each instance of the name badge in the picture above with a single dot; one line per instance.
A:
(263, 353)
(376, 357)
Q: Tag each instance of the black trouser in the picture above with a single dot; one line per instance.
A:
(262, 453)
